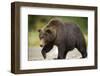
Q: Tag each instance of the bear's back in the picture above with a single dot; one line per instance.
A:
(71, 34)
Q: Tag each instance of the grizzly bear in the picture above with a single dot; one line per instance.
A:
(66, 36)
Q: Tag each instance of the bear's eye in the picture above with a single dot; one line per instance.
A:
(48, 31)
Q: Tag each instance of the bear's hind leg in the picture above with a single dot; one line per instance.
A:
(83, 52)
(61, 53)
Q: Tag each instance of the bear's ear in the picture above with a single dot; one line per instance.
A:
(39, 30)
(54, 22)
(48, 31)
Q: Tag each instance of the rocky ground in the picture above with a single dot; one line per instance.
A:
(35, 54)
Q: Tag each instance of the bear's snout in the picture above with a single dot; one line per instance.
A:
(42, 43)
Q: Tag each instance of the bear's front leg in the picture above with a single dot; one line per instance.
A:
(46, 49)
(43, 54)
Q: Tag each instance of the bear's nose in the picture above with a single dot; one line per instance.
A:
(41, 45)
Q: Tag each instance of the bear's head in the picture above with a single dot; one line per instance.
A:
(48, 33)
(47, 36)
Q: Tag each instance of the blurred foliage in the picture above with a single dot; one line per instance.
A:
(38, 21)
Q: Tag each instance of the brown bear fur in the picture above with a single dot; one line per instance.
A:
(66, 36)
